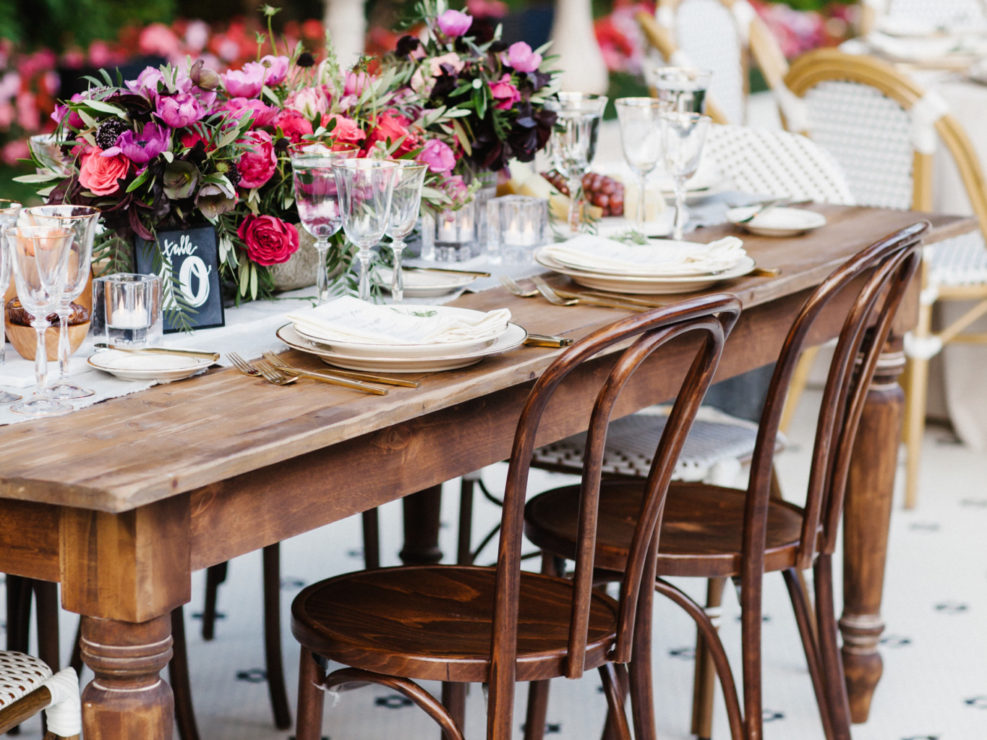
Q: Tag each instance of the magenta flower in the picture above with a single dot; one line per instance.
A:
(146, 83)
(180, 110)
(438, 156)
(262, 113)
(521, 58)
(277, 69)
(140, 148)
(246, 82)
(504, 93)
(454, 23)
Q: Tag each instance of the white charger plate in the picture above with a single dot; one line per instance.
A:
(644, 270)
(644, 285)
(425, 283)
(147, 366)
(377, 350)
(440, 360)
(778, 221)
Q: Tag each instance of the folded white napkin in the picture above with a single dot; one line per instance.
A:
(352, 320)
(661, 259)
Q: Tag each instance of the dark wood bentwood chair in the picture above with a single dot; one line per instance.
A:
(501, 625)
(713, 532)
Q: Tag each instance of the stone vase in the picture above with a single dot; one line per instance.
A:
(299, 271)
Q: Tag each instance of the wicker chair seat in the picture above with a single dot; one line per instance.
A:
(20, 674)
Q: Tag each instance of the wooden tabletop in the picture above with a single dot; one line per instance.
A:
(138, 449)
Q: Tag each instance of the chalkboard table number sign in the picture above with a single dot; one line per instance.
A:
(188, 263)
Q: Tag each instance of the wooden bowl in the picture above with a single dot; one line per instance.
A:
(25, 341)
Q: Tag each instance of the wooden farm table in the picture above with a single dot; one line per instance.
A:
(121, 501)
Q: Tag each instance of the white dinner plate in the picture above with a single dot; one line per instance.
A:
(378, 350)
(425, 283)
(440, 360)
(645, 285)
(641, 267)
(147, 366)
(776, 221)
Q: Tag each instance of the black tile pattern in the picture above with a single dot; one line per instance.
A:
(252, 675)
(219, 615)
(683, 653)
(392, 701)
(291, 583)
(952, 607)
(924, 526)
(977, 702)
(772, 715)
(895, 641)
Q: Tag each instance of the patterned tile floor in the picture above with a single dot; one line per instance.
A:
(935, 645)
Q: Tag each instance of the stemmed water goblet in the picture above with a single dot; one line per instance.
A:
(8, 217)
(405, 203)
(573, 143)
(365, 189)
(81, 221)
(38, 258)
(681, 89)
(683, 136)
(640, 138)
(318, 206)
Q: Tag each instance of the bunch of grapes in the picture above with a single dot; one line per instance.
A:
(599, 190)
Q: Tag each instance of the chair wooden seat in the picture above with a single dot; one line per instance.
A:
(361, 619)
(699, 535)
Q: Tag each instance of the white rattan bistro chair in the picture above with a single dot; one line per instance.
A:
(28, 686)
(724, 36)
(884, 129)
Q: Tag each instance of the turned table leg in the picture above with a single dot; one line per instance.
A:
(127, 698)
(867, 517)
(421, 527)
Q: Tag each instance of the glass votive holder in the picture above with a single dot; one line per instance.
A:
(449, 236)
(516, 224)
(127, 309)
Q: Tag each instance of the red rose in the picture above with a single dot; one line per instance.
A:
(101, 175)
(259, 161)
(393, 128)
(269, 240)
(293, 125)
(345, 133)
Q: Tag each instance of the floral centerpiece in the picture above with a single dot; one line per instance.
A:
(182, 145)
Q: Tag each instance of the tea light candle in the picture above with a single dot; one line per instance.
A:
(128, 318)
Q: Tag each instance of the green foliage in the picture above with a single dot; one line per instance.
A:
(58, 24)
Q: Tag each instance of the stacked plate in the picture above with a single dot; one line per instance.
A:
(659, 267)
(401, 339)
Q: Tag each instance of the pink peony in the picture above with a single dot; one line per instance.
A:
(159, 40)
(311, 102)
(293, 125)
(438, 156)
(521, 58)
(180, 110)
(143, 147)
(345, 132)
(100, 174)
(277, 69)
(246, 82)
(392, 128)
(355, 83)
(269, 240)
(146, 83)
(263, 114)
(454, 23)
(258, 163)
(504, 93)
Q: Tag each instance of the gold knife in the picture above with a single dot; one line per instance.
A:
(474, 273)
(590, 300)
(334, 380)
(214, 356)
(622, 298)
(547, 340)
(352, 374)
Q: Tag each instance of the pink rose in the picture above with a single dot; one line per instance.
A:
(293, 125)
(344, 132)
(258, 163)
(391, 127)
(438, 156)
(101, 175)
(277, 69)
(504, 93)
(521, 58)
(269, 240)
(246, 82)
(263, 114)
(454, 23)
(448, 63)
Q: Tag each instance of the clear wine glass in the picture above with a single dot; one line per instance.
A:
(681, 89)
(318, 206)
(683, 136)
(640, 138)
(8, 217)
(365, 188)
(81, 221)
(574, 141)
(405, 203)
(39, 255)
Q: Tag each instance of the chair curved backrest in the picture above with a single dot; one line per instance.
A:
(777, 163)
(707, 321)
(720, 35)
(873, 282)
(882, 128)
(937, 14)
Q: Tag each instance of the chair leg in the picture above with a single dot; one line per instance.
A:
(215, 575)
(616, 718)
(916, 389)
(371, 539)
(640, 680)
(272, 637)
(464, 556)
(178, 677)
(807, 631)
(832, 665)
(18, 612)
(454, 700)
(311, 675)
(536, 715)
(704, 680)
(46, 601)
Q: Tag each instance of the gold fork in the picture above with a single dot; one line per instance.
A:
(567, 298)
(550, 295)
(512, 285)
(259, 369)
(266, 368)
(352, 375)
